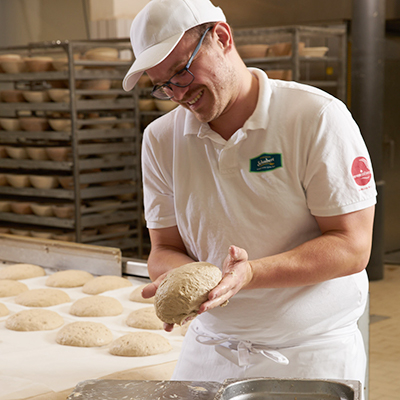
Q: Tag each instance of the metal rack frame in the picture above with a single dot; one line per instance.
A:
(337, 35)
(125, 143)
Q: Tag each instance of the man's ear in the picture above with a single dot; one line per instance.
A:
(223, 34)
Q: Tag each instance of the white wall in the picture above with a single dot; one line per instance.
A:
(115, 9)
(26, 21)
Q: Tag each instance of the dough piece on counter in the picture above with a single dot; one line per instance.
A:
(144, 318)
(42, 298)
(104, 283)
(69, 278)
(140, 344)
(3, 310)
(136, 296)
(21, 271)
(183, 290)
(9, 287)
(96, 306)
(34, 320)
(84, 334)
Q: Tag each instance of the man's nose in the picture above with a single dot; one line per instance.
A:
(179, 92)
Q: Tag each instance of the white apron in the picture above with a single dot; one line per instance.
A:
(206, 356)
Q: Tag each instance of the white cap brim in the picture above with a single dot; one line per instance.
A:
(148, 59)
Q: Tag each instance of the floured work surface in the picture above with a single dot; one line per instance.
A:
(144, 390)
(32, 363)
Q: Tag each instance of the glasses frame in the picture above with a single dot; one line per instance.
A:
(160, 88)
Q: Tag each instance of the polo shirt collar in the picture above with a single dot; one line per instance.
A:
(259, 118)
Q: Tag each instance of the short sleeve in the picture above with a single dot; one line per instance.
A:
(339, 177)
(158, 195)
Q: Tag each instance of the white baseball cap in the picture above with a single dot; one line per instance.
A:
(159, 27)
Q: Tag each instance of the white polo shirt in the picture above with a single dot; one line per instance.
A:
(299, 155)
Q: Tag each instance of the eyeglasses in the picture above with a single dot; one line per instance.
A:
(182, 78)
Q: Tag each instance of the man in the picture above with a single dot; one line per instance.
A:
(269, 180)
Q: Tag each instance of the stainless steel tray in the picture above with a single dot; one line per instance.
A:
(231, 389)
(108, 389)
(288, 389)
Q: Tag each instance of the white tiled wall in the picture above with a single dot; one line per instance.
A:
(111, 28)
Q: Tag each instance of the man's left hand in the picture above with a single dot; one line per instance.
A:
(236, 274)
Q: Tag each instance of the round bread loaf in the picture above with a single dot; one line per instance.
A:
(34, 320)
(9, 287)
(96, 306)
(3, 310)
(21, 271)
(140, 344)
(136, 295)
(184, 289)
(42, 298)
(84, 334)
(144, 318)
(104, 283)
(69, 278)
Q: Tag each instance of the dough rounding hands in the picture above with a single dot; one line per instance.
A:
(184, 289)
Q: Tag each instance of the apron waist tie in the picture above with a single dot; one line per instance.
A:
(226, 346)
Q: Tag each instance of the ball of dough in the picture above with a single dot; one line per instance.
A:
(140, 344)
(34, 320)
(103, 283)
(96, 306)
(9, 287)
(68, 279)
(3, 310)
(136, 295)
(144, 318)
(21, 271)
(42, 298)
(184, 289)
(84, 334)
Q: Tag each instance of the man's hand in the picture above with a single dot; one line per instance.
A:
(150, 291)
(236, 274)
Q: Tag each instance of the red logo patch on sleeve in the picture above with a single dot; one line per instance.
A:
(361, 172)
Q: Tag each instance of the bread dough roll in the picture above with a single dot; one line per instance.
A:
(9, 287)
(184, 289)
(136, 295)
(34, 320)
(21, 271)
(69, 278)
(140, 344)
(144, 318)
(42, 298)
(96, 306)
(3, 310)
(104, 283)
(84, 334)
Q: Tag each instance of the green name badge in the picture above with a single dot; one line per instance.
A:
(265, 162)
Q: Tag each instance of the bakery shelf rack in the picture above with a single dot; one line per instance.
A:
(315, 55)
(70, 144)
